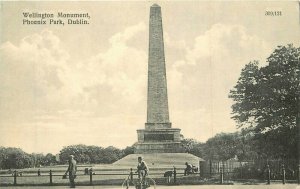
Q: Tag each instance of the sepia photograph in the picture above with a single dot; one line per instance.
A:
(150, 94)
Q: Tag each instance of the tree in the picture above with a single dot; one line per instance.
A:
(246, 148)
(95, 153)
(90, 154)
(266, 102)
(49, 159)
(15, 158)
(2, 156)
(221, 147)
(188, 144)
(111, 154)
(128, 150)
(80, 152)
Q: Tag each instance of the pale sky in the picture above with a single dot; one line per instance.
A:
(87, 84)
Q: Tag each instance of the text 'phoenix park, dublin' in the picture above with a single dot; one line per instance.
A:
(59, 18)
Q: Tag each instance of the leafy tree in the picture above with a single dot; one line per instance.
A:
(111, 154)
(2, 156)
(198, 149)
(95, 154)
(221, 147)
(37, 159)
(49, 159)
(80, 152)
(15, 158)
(266, 102)
(128, 150)
(91, 154)
(246, 146)
(188, 144)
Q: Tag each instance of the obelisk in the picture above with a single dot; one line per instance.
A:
(157, 102)
(158, 136)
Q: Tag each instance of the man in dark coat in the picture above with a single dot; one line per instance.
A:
(188, 170)
(72, 171)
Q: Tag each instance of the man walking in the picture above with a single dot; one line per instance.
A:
(72, 171)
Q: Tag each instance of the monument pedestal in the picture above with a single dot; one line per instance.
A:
(158, 140)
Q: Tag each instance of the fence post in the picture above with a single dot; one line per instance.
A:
(91, 177)
(174, 175)
(241, 171)
(199, 169)
(131, 175)
(15, 177)
(269, 174)
(283, 174)
(299, 173)
(210, 168)
(50, 174)
(222, 176)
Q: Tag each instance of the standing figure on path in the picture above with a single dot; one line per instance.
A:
(72, 171)
(142, 169)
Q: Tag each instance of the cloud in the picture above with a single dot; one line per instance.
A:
(43, 88)
(199, 82)
(40, 69)
(30, 72)
(227, 41)
(122, 72)
(46, 93)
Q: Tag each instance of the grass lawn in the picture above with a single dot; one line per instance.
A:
(30, 177)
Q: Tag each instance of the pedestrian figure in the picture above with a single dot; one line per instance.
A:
(39, 172)
(142, 170)
(91, 171)
(72, 171)
(168, 175)
(86, 171)
(188, 170)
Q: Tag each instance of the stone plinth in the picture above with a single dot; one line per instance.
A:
(159, 141)
(150, 126)
(162, 147)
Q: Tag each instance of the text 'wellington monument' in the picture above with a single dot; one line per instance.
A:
(158, 136)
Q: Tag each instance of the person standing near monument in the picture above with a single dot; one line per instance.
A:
(189, 169)
(142, 169)
(72, 171)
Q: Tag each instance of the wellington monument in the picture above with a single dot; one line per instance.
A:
(159, 144)
(158, 135)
